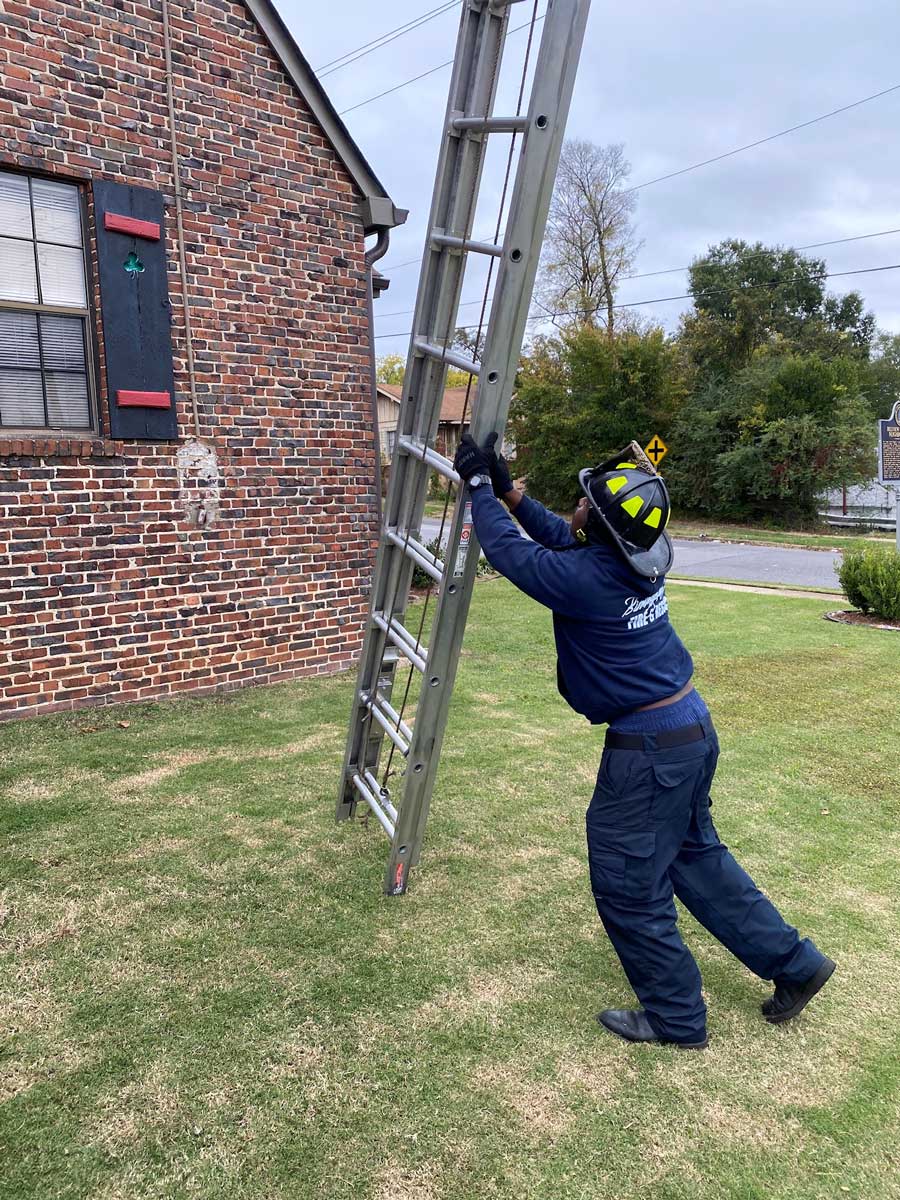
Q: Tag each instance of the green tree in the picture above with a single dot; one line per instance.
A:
(390, 369)
(581, 396)
(747, 298)
(884, 374)
(764, 444)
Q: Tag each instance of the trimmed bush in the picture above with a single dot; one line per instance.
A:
(870, 577)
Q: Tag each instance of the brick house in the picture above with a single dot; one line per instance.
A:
(188, 496)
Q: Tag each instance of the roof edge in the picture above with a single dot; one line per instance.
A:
(378, 210)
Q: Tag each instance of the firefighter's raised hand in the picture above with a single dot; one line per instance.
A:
(471, 459)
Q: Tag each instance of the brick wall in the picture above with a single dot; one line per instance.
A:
(112, 587)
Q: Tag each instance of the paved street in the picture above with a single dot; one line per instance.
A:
(723, 560)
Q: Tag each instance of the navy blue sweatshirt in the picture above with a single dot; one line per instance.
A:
(616, 649)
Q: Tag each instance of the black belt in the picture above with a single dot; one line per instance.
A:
(663, 739)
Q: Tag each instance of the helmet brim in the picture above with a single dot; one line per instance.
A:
(650, 563)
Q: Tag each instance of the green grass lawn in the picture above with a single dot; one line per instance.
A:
(823, 539)
(205, 994)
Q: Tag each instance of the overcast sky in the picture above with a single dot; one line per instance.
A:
(677, 83)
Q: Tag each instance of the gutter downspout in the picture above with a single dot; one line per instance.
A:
(372, 256)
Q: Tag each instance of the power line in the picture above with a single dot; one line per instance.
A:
(761, 253)
(753, 287)
(771, 138)
(385, 39)
(676, 270)
(717, 158)
(430, 71)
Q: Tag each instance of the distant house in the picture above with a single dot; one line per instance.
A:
(450, 428)
(388, 397)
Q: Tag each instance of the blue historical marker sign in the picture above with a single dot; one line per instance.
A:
(889, 448)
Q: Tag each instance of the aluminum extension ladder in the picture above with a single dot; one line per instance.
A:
(468, 121)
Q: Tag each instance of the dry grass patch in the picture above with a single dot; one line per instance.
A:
(29, 791)
(397, 1181)
(539, 1106)
(608, 1073)
(482, 997)
(730, 1124)
(146, 1107)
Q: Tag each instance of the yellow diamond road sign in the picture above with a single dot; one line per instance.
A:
(656, 449)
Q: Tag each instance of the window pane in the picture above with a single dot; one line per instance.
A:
(17, 274)
(19, 340)
(62, 276)
(15, 209)
(67, 401)
(62, 339)
(57, 212)
(21, 399)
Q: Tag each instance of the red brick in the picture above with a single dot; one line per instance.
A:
(281, 344)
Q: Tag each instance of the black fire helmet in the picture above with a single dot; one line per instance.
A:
(633, 507)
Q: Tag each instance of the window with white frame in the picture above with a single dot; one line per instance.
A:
(44, 363)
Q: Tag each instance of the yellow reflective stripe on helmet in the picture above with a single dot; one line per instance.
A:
(616, 484)
(619, 466)
(633, 506)
(654, 518)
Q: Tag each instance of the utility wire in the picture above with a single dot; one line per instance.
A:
(408, 312)
(706, 162)
(352, 56)
(752, 287)
(430, 71)
(771, 138)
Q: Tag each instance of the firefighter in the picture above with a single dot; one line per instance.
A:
(650, 835)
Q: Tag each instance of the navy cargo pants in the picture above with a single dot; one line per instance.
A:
(650, 835)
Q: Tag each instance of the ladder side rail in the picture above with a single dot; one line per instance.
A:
(548, 108)
(473, 86)
(440, 282)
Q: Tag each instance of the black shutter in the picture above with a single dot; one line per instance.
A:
(134, 303)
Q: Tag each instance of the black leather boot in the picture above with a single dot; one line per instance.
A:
(789, 999)
(632, 1025)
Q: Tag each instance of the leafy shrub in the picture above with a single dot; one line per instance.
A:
(870, 577)
(421, 579)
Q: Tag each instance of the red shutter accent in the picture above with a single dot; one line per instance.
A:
(142, 229)
(143, 399)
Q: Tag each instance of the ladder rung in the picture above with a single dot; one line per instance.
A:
(381, 793)
(369, 796)
(457, 243)
(387, 707)
(403, 640)
(419, 554)
(450, 357)
(489, 124)
(427, 455)
(389, 726)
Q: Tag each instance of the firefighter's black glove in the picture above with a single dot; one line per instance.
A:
(500, 477)
(472, 459)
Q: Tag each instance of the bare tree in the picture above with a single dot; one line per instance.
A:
(590, 242)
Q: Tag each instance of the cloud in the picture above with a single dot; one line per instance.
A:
(676, 84)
